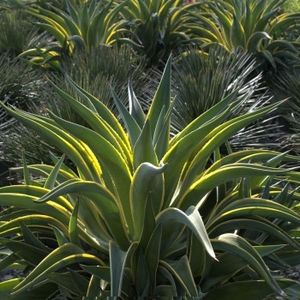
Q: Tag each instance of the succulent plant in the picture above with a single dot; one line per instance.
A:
(146, 215)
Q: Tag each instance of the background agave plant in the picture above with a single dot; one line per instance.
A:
(256, 26)
(82, 25)
(160, 26)
(146, 215)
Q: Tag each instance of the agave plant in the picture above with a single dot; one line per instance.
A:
(161, 26)
(84, 25)
(256, 26)
(143, 214)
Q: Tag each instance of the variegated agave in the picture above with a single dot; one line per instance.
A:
(161, 26)
(85, 25)
(146, 215)
(258, 26)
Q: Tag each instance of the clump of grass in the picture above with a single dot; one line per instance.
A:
(16, 32)
(22, 87)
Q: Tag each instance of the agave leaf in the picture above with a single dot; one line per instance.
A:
(73, 229)
(192, 219)
(248, 290)
(132, 126)
(8, 261)
(7, 286)
(182, 272)
(180, 152)
(162, 96)
(135, 108)
(36, 192)
(144, 148)
(44, 170)
(197, 257)
(94, 288)
(208, 182)
(31, 239)
(50, 182)
(118, 168)
(152, 253)
(28, 202)
(56, 260)
(71, 281)
(26, 175)
(259, 225)
(162, 132)
(102, 111)
(255, 39)
(56, 136)
(101, 272)
(260, 207)
(237, 33)
(31, 220)
(238, 246)
(104, 200)
(118, 261)
(217, 137)
(60, 237)
(98, 124)
(29, 253)
(268, 249)
(146, 180)
(165, 291)
(229, 265)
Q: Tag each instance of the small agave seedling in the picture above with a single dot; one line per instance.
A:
(144, 214)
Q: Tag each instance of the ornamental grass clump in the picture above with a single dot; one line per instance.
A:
(146, 215)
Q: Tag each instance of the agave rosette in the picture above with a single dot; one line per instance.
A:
(256, 26)
(161, 26)
(85, 25)
(143, 214)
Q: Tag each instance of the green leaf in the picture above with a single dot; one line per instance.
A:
(73, 228)
(162, 96)
(102, 111)
(50, 182)
(104, 201)
(117, 261)
(39, 293)
(147, 185)
(222, 175)
(26, 175)
(152, 254)
(238, 246)
(192, 219)
(144, 148)
(135, 108)
(246, 290)
(58, 259)
(31, 239)
(237, 34)
(31, 254)
(256, 225)
(132, 126)
(182, 272)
